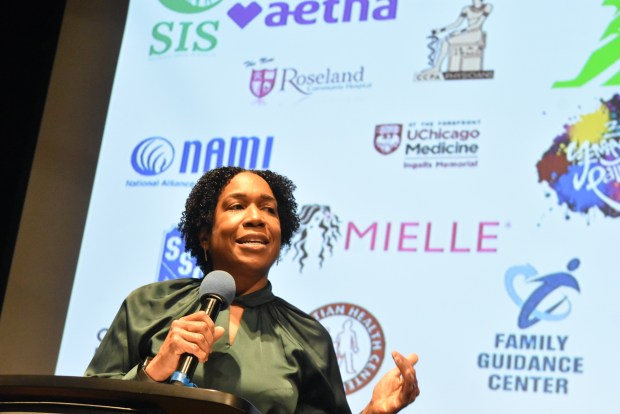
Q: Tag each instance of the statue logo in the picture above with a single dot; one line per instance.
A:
(358, 341)
(463, 49)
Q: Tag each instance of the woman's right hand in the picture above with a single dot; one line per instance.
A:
(193, 334)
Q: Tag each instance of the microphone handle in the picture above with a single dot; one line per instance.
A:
(188, 362)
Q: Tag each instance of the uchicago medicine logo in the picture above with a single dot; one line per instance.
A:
(431, 144)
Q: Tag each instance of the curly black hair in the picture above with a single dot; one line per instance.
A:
(202, 201)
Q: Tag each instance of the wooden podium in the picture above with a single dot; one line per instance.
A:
(80, 395)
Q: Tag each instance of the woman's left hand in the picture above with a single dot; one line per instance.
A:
(397, 389)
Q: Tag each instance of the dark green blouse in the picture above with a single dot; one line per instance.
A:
(282, 360)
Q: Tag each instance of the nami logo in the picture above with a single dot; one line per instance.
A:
(152, 156)
(541, 297)
(458, 53)
(582, 164)
(318, 233)
(358, 341)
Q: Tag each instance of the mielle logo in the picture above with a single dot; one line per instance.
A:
(195, 34)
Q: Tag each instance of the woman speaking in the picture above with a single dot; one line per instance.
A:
(260, 348)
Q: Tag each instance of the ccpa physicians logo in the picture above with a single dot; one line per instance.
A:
(358, 341)
(388, 138)
(174, 261)
(152, 156)
(602, 58)
(541, 297)
(582, 165)
(457, 52)
(265, 78)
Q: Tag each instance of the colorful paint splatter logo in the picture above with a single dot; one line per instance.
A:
(582, 165)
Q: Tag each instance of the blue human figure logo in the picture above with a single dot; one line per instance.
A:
(530, 313)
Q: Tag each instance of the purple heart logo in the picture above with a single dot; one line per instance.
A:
(243, 15)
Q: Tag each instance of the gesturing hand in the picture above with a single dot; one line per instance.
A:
(193, 334)
(397, 388)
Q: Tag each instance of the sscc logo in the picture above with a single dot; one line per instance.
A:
(153, 156)
(175, 262)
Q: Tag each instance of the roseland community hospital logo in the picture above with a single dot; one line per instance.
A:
(266, 77)
(358, 340)
(582, 165)
(541, 297)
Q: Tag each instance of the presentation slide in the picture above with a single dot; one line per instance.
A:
(458, 178)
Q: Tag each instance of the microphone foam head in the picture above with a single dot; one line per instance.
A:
(221, 284)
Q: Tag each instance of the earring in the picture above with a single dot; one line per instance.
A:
(206, 258)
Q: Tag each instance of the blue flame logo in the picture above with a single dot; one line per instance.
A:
(152, 156)
(546, 301)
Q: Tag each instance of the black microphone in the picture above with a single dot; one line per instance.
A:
(217, 291)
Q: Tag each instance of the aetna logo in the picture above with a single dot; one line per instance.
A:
(155, 155)
(311, 12)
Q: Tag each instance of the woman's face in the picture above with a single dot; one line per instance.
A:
(245, 240)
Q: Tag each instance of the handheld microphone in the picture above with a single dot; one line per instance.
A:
(217, 291)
